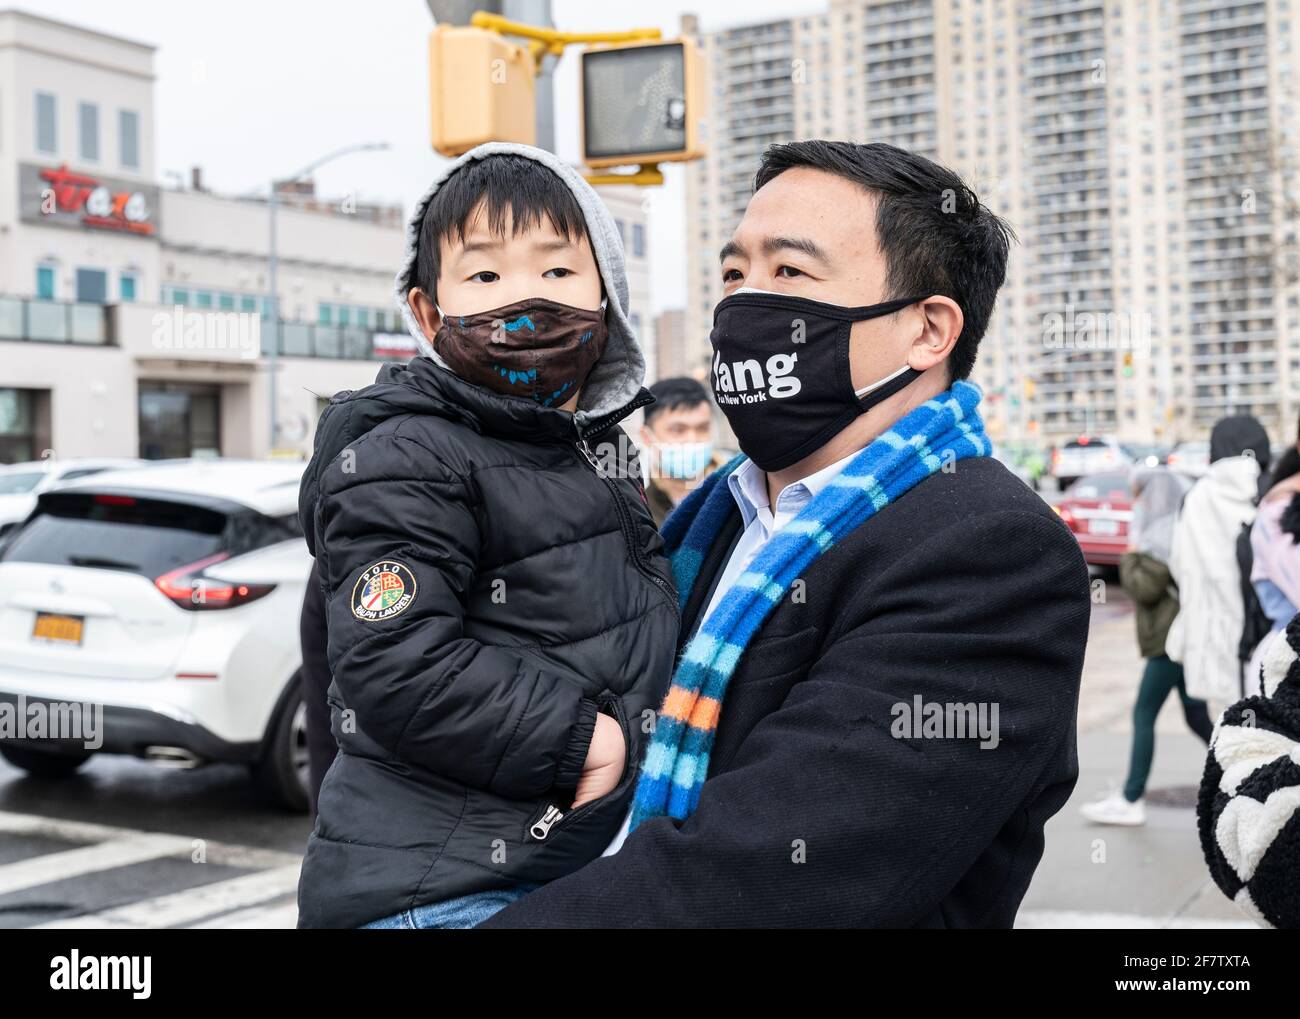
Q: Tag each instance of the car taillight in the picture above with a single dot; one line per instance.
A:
(1066, 516)
(191, 589)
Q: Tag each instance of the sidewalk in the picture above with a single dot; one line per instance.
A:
(1153, 876)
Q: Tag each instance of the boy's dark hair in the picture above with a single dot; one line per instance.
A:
(506, 185)
(935, 235)
(674, 393)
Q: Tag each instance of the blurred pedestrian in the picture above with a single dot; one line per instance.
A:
(677, 443)
(1206, 633)
(1144, 575)
(1275, 554)
(1248, 812)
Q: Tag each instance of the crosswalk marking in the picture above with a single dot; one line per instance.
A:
(1043, 919)
(263, 918)
(118, 852)
(227, 853)
(189, 906)
(263, 899)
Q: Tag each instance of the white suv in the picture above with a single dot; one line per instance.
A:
(170, 595)
(22, 483)
(1088, 454)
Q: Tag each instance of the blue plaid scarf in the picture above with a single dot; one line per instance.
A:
(940, 431)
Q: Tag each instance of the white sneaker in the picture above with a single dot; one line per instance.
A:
(1114, 809)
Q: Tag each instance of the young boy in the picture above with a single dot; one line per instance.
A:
(500, 613)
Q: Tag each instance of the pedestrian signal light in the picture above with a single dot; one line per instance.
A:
(641, 102)
(480, 90)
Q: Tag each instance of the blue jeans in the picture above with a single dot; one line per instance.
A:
(453, 914)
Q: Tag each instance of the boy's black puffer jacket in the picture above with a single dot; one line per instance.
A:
(488, 593)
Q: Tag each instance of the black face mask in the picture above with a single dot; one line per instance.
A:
(781, 372)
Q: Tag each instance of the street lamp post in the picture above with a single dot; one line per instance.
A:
(272, 269)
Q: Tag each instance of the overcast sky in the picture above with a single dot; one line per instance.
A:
(251, 89)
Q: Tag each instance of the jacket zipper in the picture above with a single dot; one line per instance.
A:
(552, 815)
(628, 528)
(540, 828)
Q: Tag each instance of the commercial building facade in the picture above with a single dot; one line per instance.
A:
(134, 315)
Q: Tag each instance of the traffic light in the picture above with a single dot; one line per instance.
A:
(480, 90)
(1128, 365)
(641, 103)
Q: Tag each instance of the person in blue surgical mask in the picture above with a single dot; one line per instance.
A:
(677, 442)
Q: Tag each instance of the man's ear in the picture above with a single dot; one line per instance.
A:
(941, 324)
(425, 312)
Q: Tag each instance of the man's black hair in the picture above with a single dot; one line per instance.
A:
(935, 235)
(512, 189)
(673, 394)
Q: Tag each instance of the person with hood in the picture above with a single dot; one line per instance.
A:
(499, 610)
(1144, 575)
(1275, 556)
(1206, 634)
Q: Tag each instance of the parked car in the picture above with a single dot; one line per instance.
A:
(1190, 458)
(170, 595)
(1146, 456)
(21, 483)
(1099, 510)
(1088, 454)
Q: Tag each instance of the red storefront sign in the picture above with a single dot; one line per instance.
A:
(98, 204)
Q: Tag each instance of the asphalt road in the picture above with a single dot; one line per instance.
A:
(127, 843)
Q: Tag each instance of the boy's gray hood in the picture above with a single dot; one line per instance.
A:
(618, 375)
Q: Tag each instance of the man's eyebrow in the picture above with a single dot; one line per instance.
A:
(729, 249)
(772, 245)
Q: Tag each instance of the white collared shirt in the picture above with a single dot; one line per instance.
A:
(748, 487)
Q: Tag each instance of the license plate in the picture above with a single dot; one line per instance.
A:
(1104, 527)
(62, 629)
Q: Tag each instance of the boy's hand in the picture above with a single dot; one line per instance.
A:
(604, 765)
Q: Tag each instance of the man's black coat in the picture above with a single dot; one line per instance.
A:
(967, 590)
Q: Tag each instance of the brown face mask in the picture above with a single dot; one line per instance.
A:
(536, 349)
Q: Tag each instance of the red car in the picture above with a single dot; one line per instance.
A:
(1099, 509)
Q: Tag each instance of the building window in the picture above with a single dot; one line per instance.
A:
(126, 286)
(45, 282)
(179, 420)
(88, 131)
(92, 286)
(24, 427)
(128, 139)
(638, 240)
(47, 123)
(326, 315)
(226, 302)
(345, 316)
(248, 303)
(202, 299)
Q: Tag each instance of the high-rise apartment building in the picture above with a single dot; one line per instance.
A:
(1143, 151)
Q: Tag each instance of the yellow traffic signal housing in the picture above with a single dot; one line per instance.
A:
(480, 90)
(642, 102)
